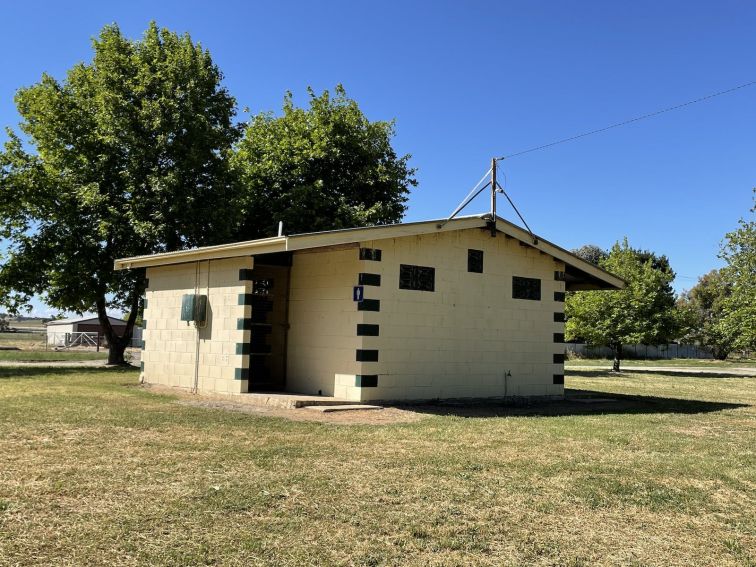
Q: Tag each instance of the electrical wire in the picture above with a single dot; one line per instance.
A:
(626, 122)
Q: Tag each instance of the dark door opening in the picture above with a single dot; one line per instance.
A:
(267, 358)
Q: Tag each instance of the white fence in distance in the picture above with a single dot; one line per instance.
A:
(639, 351)
(86, 340)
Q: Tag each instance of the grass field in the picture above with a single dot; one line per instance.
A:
(23, 340)
(32, 349)
(97, 470)
(51, 355)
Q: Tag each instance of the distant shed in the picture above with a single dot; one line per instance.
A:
(63, 331)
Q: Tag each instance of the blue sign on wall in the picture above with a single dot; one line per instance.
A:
(358, 293)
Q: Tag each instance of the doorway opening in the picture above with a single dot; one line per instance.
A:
(270, 322)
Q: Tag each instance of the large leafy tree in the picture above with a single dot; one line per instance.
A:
(643, 312)
(739, 252)
(319, 168)
(702, 310)
(127, 155)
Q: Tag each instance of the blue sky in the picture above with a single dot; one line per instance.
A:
(469, 80)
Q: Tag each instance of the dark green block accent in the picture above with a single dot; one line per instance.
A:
(558, 317)
(365, 330)
(241, 374)
(141, 366)
(558, 337)
(145, 303)
(144, 323)
(366, 381)
(367, 355)
(245, 274)
(559, 359)
(558, 378)
(141, 344)
(369, 305)
(245, 299)
(559, 296)
(373, 254)
(243, 324)
(369, 279)
(243, 348)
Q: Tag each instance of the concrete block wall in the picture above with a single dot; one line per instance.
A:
(469, 337)
(172, 347)
(322, 341)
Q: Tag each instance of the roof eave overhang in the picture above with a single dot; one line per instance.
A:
(235, 250)
(580, 274)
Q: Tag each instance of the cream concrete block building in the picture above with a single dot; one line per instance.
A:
(472, 308)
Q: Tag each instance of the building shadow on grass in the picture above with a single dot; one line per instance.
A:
(576, 402)
(7, 372)
(693, 373)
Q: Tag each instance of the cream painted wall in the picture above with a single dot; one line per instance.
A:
(465, 337)
(171, 346)
(323, 318)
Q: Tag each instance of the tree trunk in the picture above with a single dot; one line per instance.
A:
(720, 353)
(117, 345)
(617, 357)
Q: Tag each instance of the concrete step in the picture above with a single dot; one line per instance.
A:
(290, 401)
(343, 407)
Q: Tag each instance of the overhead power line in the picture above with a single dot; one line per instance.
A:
(625, 122)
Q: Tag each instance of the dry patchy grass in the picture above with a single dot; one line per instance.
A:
(98, 471)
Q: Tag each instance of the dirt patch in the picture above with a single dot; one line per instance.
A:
(385, 416)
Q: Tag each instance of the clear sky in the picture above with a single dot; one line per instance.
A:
(469, 80)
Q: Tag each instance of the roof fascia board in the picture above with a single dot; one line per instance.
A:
(237, 249)
(320, 239)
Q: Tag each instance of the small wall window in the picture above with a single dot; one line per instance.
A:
(526, 288)
(418, 278)
(475, 261)
(373, 254)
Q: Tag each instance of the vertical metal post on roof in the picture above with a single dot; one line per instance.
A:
(493, 197)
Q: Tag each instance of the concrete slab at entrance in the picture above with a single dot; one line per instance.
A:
(291, 401)
(351, 407)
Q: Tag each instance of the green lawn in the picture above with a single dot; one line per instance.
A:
(50, 355)
(96, 470)
(664, 362)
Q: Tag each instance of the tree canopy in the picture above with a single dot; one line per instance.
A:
(137, 152)
(739, 252)
(643, 312)
(126, 156)
(591, 253)
(701, 314)
(319, 168)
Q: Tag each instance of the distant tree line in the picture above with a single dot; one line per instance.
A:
(718, 313)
